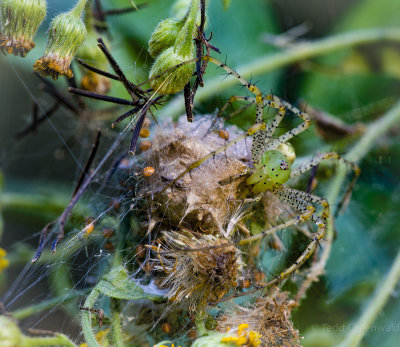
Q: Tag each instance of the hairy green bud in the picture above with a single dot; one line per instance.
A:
(164, 35)
(171, 82)
(183, 50)
(20, 20)
(66, 35)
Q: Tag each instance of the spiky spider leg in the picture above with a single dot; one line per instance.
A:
(135, 92)
(270, 129)
(259, 136)
(233, 99)
(98, 71)
(301, 202)
(320, 157)
(232, 178)
(265, 142)
(257, 130)
(273, 101)
(217, 123)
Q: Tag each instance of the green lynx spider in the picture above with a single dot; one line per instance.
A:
(272, 168)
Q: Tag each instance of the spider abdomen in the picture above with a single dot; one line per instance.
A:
(275, 169)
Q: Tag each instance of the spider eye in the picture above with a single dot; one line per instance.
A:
(284, 165)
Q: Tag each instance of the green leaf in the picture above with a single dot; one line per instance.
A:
(116, 284)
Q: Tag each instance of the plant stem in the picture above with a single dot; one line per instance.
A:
(299, 52)
(45, 205)
(36, 308)
(116, 323)
(56, 340)
(374, 132)
(86, 319)
(79, 7)
(382, 294)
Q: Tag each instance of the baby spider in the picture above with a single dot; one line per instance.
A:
(272, 168)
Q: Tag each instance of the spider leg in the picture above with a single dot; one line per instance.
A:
(320, 157)
(259, 136)
(233, 99)
(276, 102)
(248, 200)
(301, 201)
(232, 178)
(234, 113)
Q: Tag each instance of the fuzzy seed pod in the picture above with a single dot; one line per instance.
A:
(173, 81)
(20, 20)
(66, 34)
(164, 36)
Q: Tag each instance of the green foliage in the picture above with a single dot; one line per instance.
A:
(116, 284)
(355, 84)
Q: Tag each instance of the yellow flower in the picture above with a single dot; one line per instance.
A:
(244, 337)
(4, 263)
(100, 338)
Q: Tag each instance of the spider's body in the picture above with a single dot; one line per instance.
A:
(273, 169)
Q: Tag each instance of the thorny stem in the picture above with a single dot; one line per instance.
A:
(382, 294)
(299, 52)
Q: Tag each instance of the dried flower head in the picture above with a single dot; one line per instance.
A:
(20, 20)
(200, 276)
(67, 33)
(270, 317)
(198, 201)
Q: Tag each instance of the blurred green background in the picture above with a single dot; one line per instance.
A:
(355, 85)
